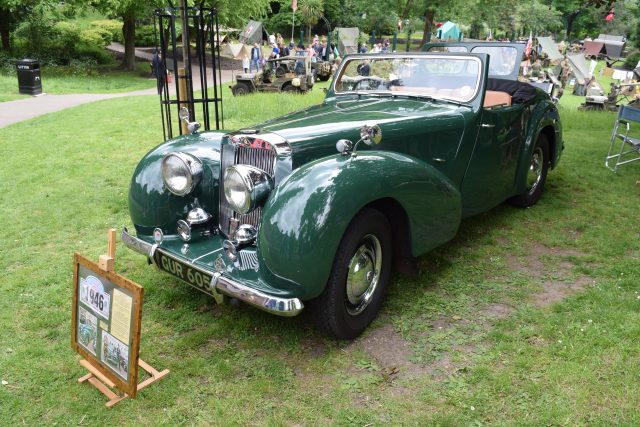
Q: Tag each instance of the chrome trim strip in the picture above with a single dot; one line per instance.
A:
(286, 307)
(281, 146)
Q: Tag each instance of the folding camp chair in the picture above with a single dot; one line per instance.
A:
(628, 138)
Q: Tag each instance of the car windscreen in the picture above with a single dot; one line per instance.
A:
(502, 59)
(448, 77)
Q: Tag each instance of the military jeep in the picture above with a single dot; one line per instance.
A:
(321, 70)
(286, 74)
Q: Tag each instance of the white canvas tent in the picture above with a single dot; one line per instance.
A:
(237, 50)
(252, 33)
(549, 47)
(347, 40)
(579, 67)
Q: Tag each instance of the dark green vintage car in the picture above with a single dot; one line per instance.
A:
(313, 209)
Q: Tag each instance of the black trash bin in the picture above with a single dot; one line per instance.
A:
(29, 76)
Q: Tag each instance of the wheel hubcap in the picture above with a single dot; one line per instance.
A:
(535, 170)
(363, 275)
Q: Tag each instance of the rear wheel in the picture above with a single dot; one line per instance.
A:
(536, 174)
(240, 89)
(359, 277)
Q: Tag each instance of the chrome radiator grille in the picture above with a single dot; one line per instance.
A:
(262, 158)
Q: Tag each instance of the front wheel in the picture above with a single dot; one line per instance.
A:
(359, 277)
(536, 174)
(290, 88)
(240, 89)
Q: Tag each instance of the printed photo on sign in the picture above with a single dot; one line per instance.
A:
(115, 354)
(93, 294)
(87, 330)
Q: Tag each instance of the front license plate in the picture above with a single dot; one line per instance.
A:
(183, 271)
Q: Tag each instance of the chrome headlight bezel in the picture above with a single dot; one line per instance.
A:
(250, 184)
(189, 165)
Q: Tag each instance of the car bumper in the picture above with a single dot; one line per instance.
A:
(224, 285)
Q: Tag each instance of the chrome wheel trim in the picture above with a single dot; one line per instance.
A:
(363, 274)
(534, 175)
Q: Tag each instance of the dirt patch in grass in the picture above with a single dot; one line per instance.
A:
(546, 265)
(390, 350)
(554, 291)
(496, 311)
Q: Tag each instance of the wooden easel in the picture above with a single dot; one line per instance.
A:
(97, 378)
(105, 385)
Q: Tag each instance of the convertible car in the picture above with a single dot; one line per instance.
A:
(312, 210)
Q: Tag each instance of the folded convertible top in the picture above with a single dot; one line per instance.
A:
(520, 92)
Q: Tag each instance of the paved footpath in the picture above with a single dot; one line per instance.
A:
(28, 108)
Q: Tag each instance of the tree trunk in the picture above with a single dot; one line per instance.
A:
(407, 9)
(129, 33)
(428, 25)
(569, 21)
(4, 30)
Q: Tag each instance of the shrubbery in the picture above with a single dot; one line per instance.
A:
(631, 60)
(46, 35)
(144, 35)
(111, 26)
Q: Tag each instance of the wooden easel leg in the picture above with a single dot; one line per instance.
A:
(96, 379)
(155, 375)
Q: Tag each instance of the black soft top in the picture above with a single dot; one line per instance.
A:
(520, 92)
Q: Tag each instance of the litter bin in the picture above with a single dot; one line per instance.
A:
(29, 76)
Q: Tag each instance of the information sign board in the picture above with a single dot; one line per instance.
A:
(106, 317)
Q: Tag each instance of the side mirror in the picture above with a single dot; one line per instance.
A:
(371, 134)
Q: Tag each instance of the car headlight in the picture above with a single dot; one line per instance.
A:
(245, 187)
(181, 172)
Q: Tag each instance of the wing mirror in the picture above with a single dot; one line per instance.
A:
(368, 134)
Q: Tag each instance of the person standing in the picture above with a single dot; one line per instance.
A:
(246, 64)
(256, 57)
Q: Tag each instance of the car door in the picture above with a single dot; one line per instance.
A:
(490, 177)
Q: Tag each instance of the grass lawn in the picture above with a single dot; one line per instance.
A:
(528, 317)
(65, 80)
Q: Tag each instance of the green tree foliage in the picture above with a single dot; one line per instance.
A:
(310, 12)
(235, 13)
(535, 17)
(15, 12)
(128, 11)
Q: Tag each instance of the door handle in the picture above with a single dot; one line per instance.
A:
(487, 125)
(439, 160)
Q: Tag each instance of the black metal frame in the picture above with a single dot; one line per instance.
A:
(200, 19)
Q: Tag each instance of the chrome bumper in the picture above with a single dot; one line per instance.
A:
(275, 305)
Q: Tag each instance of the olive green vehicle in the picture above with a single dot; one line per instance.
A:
(313, 209)
(321, 70)
(286, 74)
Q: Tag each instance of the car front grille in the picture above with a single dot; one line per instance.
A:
(262, 158)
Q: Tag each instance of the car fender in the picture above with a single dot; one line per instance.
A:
(306, 216)
(544, 116)
(151, 205)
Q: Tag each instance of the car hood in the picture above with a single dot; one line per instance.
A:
(313, 132)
